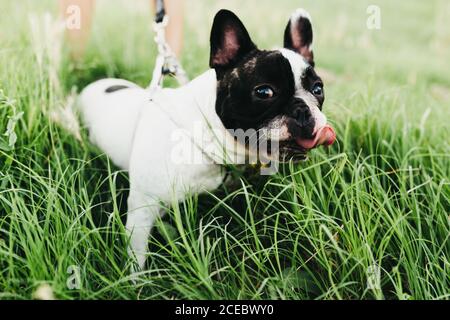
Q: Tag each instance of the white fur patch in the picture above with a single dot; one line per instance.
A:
(298, 66)
(300, 13)
(277, 129)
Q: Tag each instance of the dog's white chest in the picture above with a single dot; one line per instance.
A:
(153, 137)
(166, 160)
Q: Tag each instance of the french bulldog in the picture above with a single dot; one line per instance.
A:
(245, 89)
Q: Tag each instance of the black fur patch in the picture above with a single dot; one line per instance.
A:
(238, 106)
(310, 78)
(115, 88)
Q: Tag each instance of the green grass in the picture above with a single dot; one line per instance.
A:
(379, 197)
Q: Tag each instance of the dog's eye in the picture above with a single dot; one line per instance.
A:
(317, 89)
(264, 92)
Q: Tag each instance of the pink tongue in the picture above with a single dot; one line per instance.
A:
(324, 136)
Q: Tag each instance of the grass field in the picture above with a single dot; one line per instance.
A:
(376, 202)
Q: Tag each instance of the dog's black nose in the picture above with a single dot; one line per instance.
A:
(302, 114)
(300, 111)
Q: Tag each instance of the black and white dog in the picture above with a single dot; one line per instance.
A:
(272, 91)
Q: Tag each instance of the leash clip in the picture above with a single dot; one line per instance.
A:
(166, 61)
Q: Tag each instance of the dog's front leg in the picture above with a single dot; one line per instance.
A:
(141, 216)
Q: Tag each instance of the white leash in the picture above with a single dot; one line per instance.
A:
(167, 64)
(166, 61)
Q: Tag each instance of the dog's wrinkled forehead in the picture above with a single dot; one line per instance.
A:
(272, 65)
(278, 63)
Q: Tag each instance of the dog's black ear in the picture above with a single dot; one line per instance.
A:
(298, 35)
(230, 40)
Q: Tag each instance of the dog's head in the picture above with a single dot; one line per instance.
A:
(270, 90)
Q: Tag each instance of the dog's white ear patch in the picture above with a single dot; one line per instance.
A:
(301, 28)
(298, 35)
